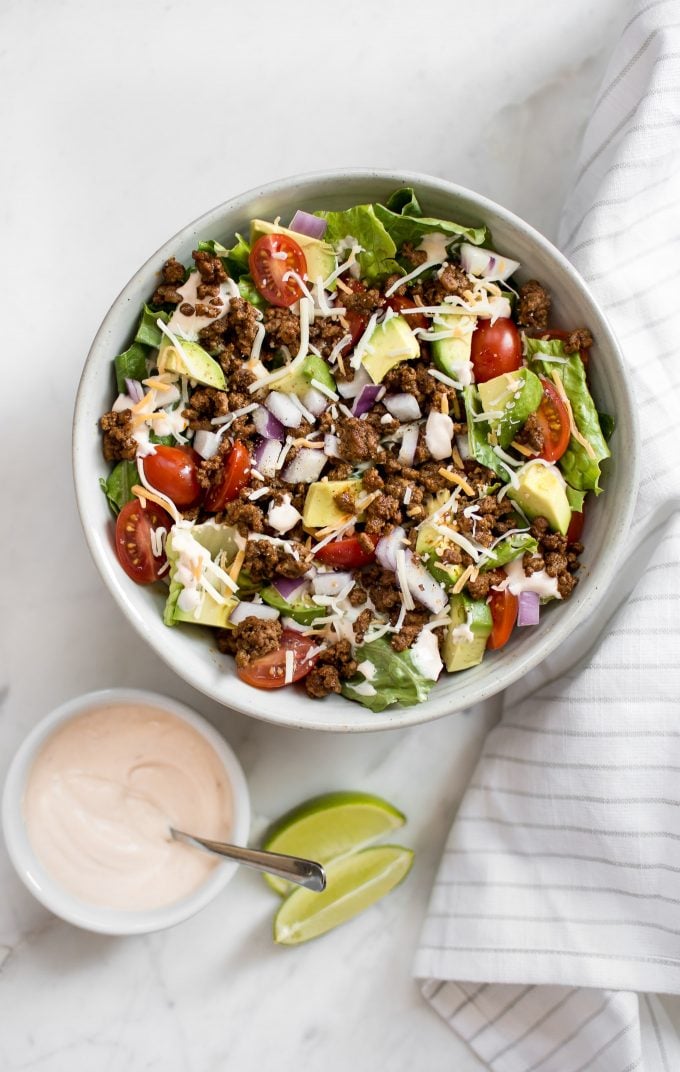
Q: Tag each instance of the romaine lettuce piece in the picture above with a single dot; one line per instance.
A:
(148, 332)
(395, 678)
(575, 499)
(235, 260)
(403, 219)
(117, 486)
(581, 470)
(478, 432)
(131, 364)
(361, 223)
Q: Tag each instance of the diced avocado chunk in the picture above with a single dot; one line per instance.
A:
(320, 257)
(390, 343)
(429, 545)
(192, 361)
(541, 492)
(469, 627)
(299, 382)
(320, 507)
(301, 610)
(508, 400)
(452, 355)
(219, 540)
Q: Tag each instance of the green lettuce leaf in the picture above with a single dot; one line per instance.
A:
(478, 432)
(117, 486)
(396, 679)
(402, 217)
(235, 260)
(131, 363)
(404, 202)
(361, 222)
(607, 424)
(575, 499)
(510, 548)
(148, 332)
(579, 469)
(250, 293)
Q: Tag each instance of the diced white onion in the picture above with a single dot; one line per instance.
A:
(387, 547)
(486, 263)
(409, 442)
(315, 401)
(351, 388)
(206, 443)
(283, 409)
(438, 434)
(331, 446)
(330, 584)
(305, 467)
(252, 610)
(423, 586)
(403, 406)
(267, 457)
(283, 516)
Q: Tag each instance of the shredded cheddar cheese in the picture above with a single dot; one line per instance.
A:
(455, 478)
(572, 424)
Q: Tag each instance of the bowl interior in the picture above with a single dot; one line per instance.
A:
(189, 650)
(61, 901)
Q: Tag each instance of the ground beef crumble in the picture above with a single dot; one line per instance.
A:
(332, 667)
(533, 308)
(581, 339)
(265, 559)
(205, 404)
(118, 444)
(531, 434)
(250, 639)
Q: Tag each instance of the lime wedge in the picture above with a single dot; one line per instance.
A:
(330, 826)
(353, 884)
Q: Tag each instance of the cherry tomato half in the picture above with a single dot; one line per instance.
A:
(173, 471)
(234, 477)
(576, 527)
(270, 259)
(504, 608)
(347, 553)
(269, 671)
(554, 421)
(133, 540)
(398, 303)
(496, 348)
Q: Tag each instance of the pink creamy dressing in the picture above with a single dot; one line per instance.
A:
(102, 794)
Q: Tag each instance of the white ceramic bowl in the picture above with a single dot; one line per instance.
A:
(55, 897)
(188, 649)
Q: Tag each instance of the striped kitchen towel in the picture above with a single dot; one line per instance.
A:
(555, 917)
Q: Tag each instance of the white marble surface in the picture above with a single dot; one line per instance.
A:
(121, 122)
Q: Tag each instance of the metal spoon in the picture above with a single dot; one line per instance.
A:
(293, 868)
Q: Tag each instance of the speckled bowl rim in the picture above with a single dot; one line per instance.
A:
(39, 881)
(336, 713)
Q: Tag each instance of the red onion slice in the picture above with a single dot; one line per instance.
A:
(288, 586)
(306, 224)
(134, 389)
(366, 399)
(305, 467)
(268, 425)
(266, 456)
(528, 612)
(252, 610)
(486, 263)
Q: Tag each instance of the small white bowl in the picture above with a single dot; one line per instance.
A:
(190, 650)
(55, 897)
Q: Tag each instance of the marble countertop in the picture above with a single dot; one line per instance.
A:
(122, 122)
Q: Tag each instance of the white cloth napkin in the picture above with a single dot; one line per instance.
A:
(558, 898)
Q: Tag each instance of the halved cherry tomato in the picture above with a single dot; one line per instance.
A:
(269, 671)
(575, 527)
(173, 471)
(133, 540)
(504, 608)
(270, 259)
(398, 303)
(496, 348)
(554, 421)
(347, 553)
(234, 477)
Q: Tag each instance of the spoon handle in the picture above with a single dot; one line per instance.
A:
(293, 868)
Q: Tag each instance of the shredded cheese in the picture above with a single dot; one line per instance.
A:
(290, 666)
(521, 449)
(444, 404)
(455, 478)
(402, 578)
(278, 374)
(455, 454)
(411, 275)
(324, 390)
(462, 581)
(437, 375)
